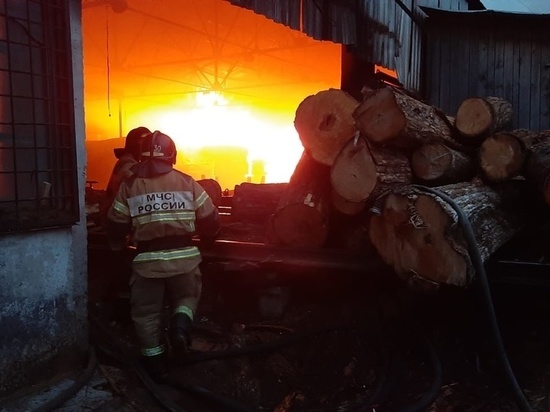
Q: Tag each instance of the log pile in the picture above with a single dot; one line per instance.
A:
(359, 184)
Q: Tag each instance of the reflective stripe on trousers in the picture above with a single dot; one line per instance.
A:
(157, 350)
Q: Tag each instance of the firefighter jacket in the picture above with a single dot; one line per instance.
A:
(121, 171)
(163, 212)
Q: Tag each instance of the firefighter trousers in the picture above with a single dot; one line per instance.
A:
(148, 298)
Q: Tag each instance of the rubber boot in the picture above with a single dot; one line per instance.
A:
(180, 333)
(156, 366)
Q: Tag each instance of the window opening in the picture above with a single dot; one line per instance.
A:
(37, 144)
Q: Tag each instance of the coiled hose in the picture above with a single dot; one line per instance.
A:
(479, 268)
(429, 396)
(64, 396)
(227, 404)
(388, 379)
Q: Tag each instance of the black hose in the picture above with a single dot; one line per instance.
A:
(386, 382)
(259, 348)
(168, 404)
(202, 357)
(479, 267)
(380, 394)
(388, 379)
(227, 404)
(164, 401)
(429, 396)
(67, 394)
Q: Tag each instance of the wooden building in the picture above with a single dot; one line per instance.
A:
(490, 53)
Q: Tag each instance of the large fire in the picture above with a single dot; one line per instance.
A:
(264, 137)
(222, 81)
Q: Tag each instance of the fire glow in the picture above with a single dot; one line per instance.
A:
(222, 81)
(265, 138)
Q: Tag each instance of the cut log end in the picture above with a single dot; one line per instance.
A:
(474, 117)
(380, 118)
(324, 122)
(353, 173)
(501, 157)
(410, 236)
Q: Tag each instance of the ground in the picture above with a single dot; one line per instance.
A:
(348, 342)
(325, 340)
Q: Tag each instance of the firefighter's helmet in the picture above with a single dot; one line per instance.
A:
(158, 146)
(132, 144)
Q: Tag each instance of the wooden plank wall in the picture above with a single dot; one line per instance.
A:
(505, 58)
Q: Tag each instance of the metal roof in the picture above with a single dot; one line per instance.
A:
(518, 6)
(383, 32)
(481, 16)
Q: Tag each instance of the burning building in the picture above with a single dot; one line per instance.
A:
(209, 74)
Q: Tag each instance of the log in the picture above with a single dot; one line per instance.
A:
(537, 166)
(519, 152)
(534, 141)
(436, 164)
(418, 234)
(478, 117)
(256, 201)
(301, 218)
(343, 206)
(324, 122)
(351, 233)
(394, 118)
(361, 171)
(502, 155)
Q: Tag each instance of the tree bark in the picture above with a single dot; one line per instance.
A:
(534, 141)
(301, 218)
(256, 202)
(324, 122)
(399, 120)
(361, 171)
(478, 118)
(418, 234)
(437, 164)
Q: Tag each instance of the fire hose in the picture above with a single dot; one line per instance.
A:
(64, 396)
(479, 267)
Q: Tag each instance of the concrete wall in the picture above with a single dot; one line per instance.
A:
(43, 293)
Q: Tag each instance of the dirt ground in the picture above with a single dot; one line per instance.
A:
(328, 341)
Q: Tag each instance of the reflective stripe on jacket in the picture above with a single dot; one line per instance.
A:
(162, 206)
(121, 171)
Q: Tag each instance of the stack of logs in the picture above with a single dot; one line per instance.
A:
(361, 181)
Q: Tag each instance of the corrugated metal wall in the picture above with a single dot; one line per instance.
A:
(381, 31)
(491, 54)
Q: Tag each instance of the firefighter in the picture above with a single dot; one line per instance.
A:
(127, 156)
(162, 208)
